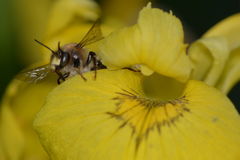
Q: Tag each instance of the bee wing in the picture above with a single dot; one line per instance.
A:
(94, 34)
(34, 75)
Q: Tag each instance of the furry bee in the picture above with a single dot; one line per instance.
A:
(69, 60)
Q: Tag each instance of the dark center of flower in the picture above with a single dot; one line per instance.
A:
(149, 110)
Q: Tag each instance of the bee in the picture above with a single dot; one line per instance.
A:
(69, 60)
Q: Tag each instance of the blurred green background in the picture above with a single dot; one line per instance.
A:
(196, 15)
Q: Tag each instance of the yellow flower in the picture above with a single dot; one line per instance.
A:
(128, 115)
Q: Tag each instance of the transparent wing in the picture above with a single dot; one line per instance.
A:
(94, 34)
(34, 75)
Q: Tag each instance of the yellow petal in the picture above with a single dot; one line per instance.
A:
(118, 9)
(145, 70)
(2, 156)
(228, 28)
(231, 72)
(11, 137)
(208, 56)
(111, 118)
(65, 12)
(156, 42)
(23, 101)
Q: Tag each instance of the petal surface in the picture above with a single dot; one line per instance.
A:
(114, 9)
(231, 74)
(11, 138)
(65, 12)
(156, 42)
(228, 28)
(112, 118)
(208, 56)
(20, 104)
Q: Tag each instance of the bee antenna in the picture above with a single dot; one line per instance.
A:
(59, 47)
(45, 46)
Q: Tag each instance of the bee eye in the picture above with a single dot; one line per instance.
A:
(64, 59)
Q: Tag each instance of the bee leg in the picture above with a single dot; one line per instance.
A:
(92, 57)
(59, 80)
(60, 76)
(80, 73)
(95, 67)
(131, 69)
(66, 75)
(83, 77)
(100, 65)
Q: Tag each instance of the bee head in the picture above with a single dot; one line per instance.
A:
(55, 61)
(60, 58)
